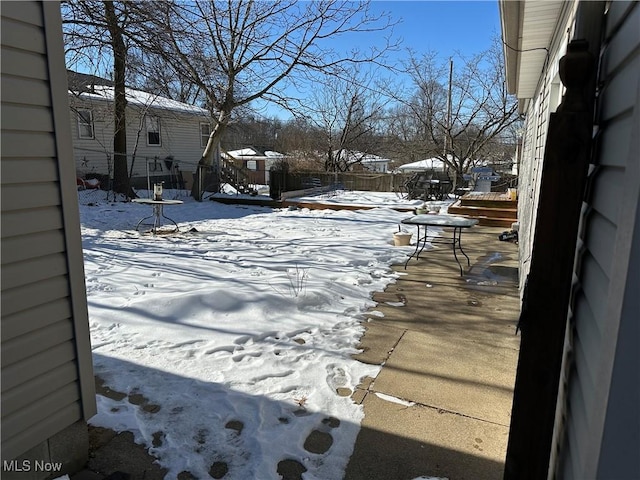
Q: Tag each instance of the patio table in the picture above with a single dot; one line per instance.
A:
(426, 220)
(158, 212)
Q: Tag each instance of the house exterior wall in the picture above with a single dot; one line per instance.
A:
(597, 427)
(600, 431)
(540, 107)
(381, 166)
(179, 132)
(47, 376)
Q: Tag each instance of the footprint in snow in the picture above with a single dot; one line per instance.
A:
(338, 379)
(290, 469)
(320, 440)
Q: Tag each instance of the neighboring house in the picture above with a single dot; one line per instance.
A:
(257, 161)
(164, 137)
(374, 163)
(426, 165)
(596, 422)
(48, 389)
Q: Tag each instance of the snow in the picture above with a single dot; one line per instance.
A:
(363, 199)
(232, 338)
(422, 165)
(243, 152)
(250, 152)
(271, 153)
(144, 99)
(392, 399)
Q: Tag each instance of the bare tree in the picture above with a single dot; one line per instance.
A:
(303, 140)
(149, 73)
(346, 109)
(241, 50)
(462, 115)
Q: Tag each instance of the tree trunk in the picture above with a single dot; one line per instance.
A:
(205, 166)
(207, 161)
(121, 182)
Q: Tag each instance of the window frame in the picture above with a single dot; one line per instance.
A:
(83, 124)
(150, 123)
(252, 165)
(204, 138)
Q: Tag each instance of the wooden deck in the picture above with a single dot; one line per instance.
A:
(262, 202)
(491, 208)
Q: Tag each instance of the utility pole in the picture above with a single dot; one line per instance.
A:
(448, 127)
(447, 136)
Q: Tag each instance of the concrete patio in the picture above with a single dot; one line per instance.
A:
(442, 401)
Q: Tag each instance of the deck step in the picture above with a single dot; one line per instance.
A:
(489, 200)
(473, 211)
(487, 216)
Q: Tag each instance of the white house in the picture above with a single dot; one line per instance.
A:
(369, 161)
(163, 135)
(428, 164)
(375, 163)
(589, 425)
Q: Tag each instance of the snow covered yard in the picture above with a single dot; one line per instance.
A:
(232, 339)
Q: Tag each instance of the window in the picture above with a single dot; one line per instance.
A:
(85, 124)
(252, 165)
(555, 94)
(205, 131)
(153, 131)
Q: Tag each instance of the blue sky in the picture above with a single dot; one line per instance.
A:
(443, 27)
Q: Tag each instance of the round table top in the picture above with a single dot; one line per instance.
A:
(440, 220)
(151, 201)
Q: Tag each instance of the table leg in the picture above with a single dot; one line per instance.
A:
(416, 253)
(453, 244)
(170, 219)
(457, 240)
(145, 218)
(157, 211)
(424, 240)
(158, 215)
(460, 247)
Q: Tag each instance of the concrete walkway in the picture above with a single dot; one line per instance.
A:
(441, 404)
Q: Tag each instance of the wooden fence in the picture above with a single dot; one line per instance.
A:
(370, 182)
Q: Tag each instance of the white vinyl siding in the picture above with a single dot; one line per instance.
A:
(538, 112)
(608, 236)
(180, 138)
(530, 176)
(47, 377)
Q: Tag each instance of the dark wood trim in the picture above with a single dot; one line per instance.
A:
(547, 293)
